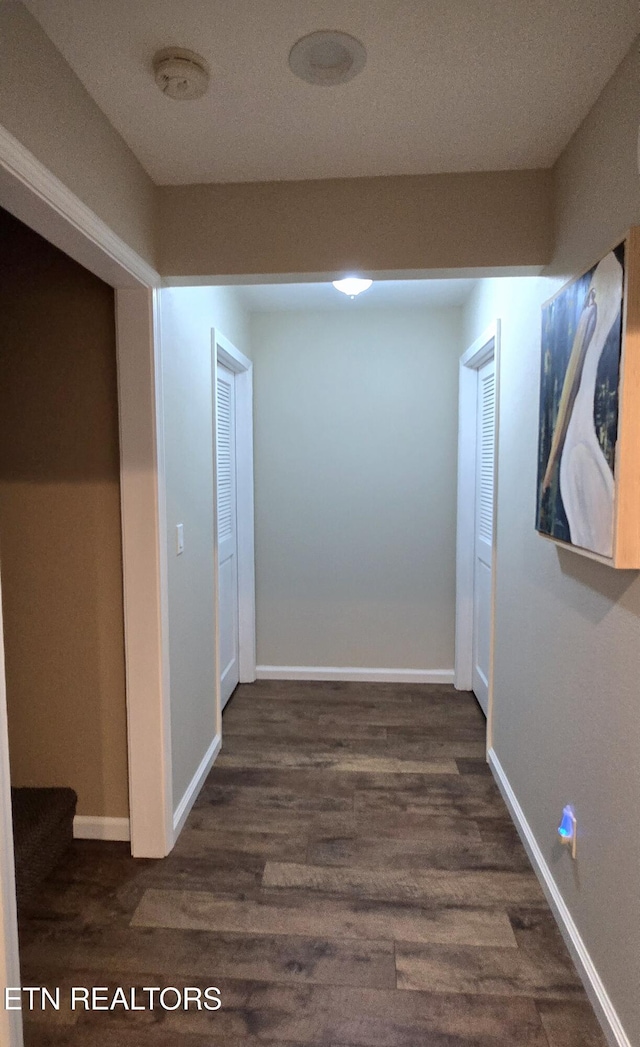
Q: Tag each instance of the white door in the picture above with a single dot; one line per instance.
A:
(484, 523)
(227, 533)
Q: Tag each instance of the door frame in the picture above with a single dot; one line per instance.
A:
(39, 199)
(480, 352)
(10, 1021)
(225, 353)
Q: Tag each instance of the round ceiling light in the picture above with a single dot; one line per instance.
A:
(180, 74)
(327, 58)
(352, 285)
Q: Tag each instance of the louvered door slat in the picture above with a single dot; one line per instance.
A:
(226, 485)
(484, 528)
(227, 532)
(486, 411)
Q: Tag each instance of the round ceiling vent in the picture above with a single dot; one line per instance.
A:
(180, 74)
(327, 58)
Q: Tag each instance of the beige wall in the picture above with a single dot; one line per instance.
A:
(423, 222)
(60, 525)
(596, 180)
(355, 460)
(567, 669)
(187, 316)
(45, 106)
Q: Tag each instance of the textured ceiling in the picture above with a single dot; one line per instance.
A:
(449, 85)
(387, 294)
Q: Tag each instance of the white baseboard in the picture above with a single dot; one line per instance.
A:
(353, 675)
(181, 812)
(90, 827)
(592, 981)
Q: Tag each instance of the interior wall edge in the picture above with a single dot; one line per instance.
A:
(190, 795)
(595, 180)
(98, 827)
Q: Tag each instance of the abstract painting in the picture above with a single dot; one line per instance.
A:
(582, 341)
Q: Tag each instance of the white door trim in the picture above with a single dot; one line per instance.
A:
(145, 570)
(223, 352)
(10, 1021)
(34, 195)
(486, 346)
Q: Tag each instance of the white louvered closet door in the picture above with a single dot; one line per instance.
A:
(227, 532)
(484, 524)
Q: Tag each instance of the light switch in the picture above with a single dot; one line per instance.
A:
(179, 539)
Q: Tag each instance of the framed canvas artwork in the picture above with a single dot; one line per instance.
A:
(588, 494)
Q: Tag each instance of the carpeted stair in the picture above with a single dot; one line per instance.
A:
(42, 832)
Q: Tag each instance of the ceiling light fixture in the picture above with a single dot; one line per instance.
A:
(352, 285)
(180, 74)
(327, 58)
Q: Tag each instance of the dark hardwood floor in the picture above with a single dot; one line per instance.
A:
(349, 877)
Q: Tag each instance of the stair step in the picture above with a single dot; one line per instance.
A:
(42, 833)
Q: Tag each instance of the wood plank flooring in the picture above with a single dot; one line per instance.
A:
(349, 877)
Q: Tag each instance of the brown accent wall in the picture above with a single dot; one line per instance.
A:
(60, 544)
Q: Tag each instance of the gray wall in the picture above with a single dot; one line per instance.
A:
(567, 656)
(187, 316)
(355, 445)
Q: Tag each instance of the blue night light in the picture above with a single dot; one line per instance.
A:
(568, 830)
(566, 827)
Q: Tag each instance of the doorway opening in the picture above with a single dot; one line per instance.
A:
(62, 576)
(32, 195)
(355, 444)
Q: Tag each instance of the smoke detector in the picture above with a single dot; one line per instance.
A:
(326, 58)
(182, 75)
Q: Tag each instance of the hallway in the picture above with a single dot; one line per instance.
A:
(349, 877)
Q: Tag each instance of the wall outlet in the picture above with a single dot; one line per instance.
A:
(179, 539)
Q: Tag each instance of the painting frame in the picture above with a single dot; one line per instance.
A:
(588, 465)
